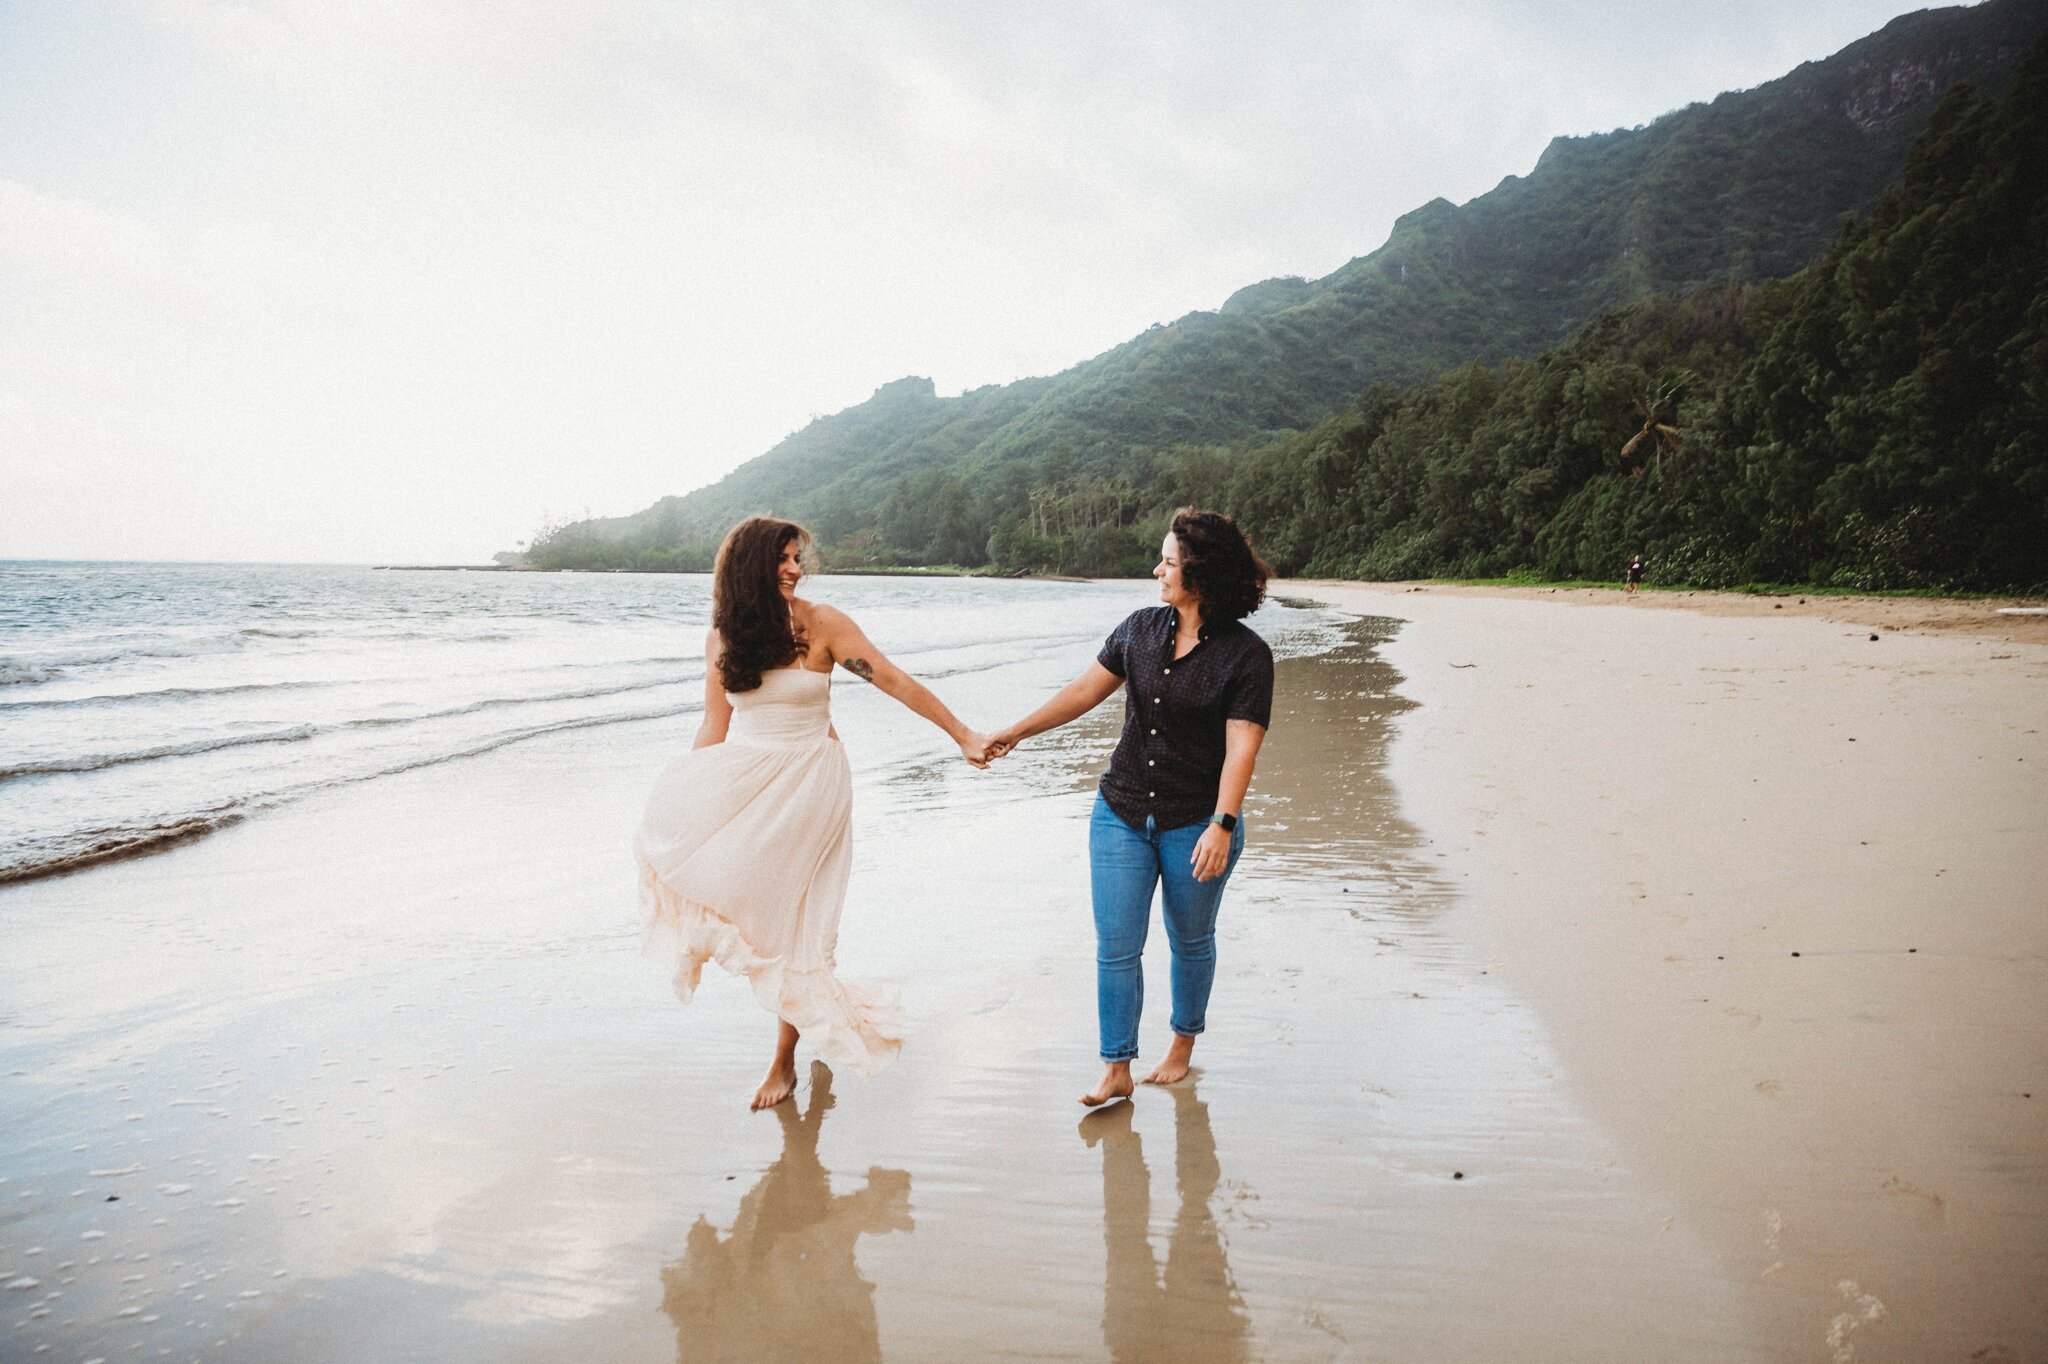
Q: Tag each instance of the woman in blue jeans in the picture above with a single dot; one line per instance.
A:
(1198, 694)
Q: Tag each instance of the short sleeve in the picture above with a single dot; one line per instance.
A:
(1116, 649)
(1249, 694)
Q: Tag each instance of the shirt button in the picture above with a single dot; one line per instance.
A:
(1150, 763)
(1151, 731)
(1155, 700)
(1169, 672)
(1151, 793)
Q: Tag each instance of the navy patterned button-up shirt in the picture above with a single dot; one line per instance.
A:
(1170, 758)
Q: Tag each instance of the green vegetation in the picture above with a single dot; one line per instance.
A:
(1873, 421)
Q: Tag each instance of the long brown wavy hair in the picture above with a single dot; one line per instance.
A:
(747, 606)
(1218, 563)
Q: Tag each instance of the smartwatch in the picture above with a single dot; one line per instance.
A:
(1228, 821)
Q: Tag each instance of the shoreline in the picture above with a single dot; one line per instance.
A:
(705, 572)
(1771, 596)
(385, 1072)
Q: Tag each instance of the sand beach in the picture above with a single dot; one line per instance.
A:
(1604, 980)
(1771, 872)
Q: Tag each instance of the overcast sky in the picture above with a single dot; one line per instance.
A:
(392, 280)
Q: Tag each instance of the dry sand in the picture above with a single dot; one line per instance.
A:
(2009, 619)
(1775, 877)
(1510, 1058)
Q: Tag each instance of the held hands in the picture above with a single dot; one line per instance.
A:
(1212, 853)
(982, 749)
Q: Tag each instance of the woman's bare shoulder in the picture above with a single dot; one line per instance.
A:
(826, 622)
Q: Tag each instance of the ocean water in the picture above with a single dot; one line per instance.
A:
(144, 705)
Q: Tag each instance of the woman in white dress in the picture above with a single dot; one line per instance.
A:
(746, 844)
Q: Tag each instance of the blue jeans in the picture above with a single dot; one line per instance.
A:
(1125, 864)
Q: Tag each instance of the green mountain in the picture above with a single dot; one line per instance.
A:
(1748, 187)
(1878, 420)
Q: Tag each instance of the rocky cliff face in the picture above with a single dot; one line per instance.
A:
(1898, 72)
(1892, 93)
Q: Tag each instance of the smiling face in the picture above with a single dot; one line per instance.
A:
(1167, 570)
(789, 570)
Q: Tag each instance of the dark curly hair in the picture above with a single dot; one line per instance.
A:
(1219, 565)
(747, 606)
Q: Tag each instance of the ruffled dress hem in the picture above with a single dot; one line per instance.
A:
(848, 1025)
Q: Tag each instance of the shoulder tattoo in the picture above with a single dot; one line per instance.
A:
(859, 667)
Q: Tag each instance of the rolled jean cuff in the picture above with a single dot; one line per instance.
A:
(1112, 1060)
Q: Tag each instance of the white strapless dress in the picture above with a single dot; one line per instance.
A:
(744, 853)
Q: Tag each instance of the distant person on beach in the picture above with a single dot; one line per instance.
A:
(1198, 694)
(1634, 574)
(745, 846)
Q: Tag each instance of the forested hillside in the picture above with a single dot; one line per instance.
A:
(1879, 420)
(1871, 421)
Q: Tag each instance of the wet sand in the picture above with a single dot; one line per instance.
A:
(384, 1075)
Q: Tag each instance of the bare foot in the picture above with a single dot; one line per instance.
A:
(1111, 1121)
(1174, 1067)
(1114, 1084)
(779, 1085)
(780, 1082)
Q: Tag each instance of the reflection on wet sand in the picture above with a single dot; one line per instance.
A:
(782, 1284)
(1190, 1313)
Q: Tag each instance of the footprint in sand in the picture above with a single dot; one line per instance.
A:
(1314, 1317)
(1748, 1017)
(1770, 1086)
(1935, 1201)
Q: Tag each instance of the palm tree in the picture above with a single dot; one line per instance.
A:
(1658, 406)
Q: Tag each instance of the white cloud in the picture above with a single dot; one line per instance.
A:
(291, 278)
